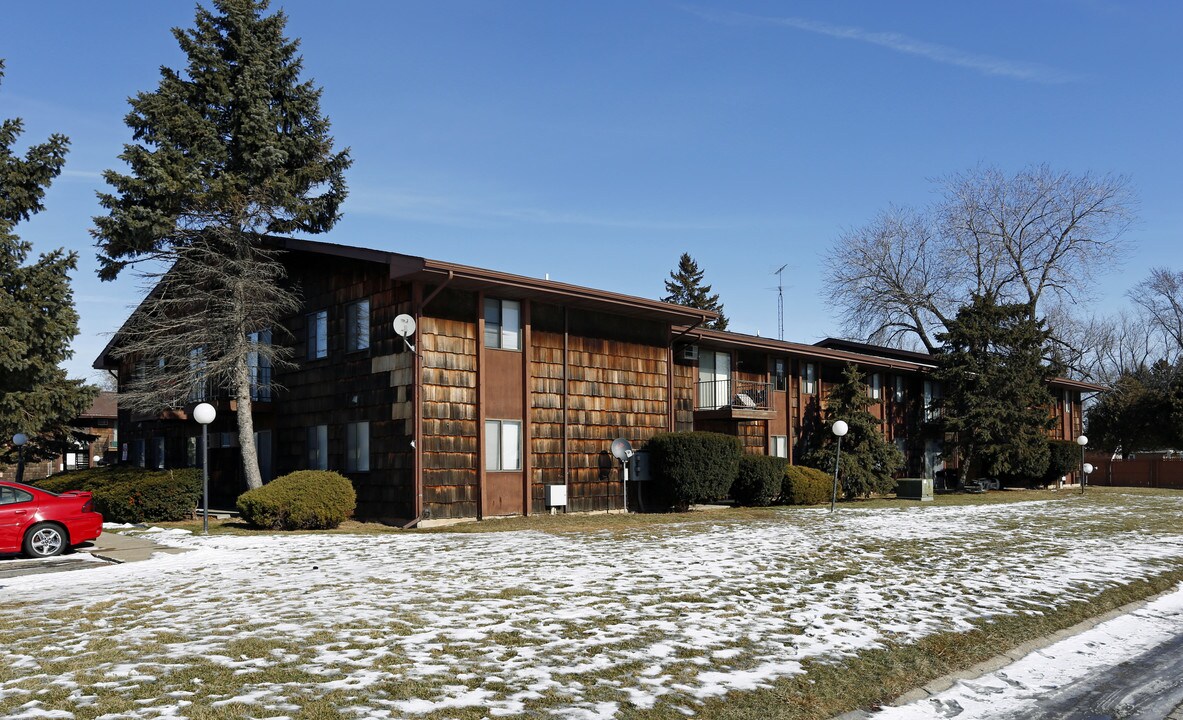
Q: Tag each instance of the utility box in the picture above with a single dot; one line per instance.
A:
(914, 489)
(638, 467)
(556, 496)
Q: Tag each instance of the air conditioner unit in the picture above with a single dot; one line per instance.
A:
(689, 352)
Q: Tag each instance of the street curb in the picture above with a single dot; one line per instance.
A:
(1016, 653)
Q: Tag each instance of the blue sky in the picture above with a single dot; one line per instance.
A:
(596, 141)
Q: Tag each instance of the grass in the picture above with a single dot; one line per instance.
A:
(178, 660)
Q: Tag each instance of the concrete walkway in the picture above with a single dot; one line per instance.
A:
(118, 548)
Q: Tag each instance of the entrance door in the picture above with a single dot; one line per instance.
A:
(714, 380)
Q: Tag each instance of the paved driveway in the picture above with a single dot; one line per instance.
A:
(109, 548)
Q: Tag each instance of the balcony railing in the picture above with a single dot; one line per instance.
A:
(740, 395)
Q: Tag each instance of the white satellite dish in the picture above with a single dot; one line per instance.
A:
(404, 327)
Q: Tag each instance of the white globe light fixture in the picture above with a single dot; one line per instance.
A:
(1088, 468)
(1082, 441)
(204, 414)
(839, 428)
(19, 440)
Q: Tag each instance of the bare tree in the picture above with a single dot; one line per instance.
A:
(187, 337)
(1160, 299)
(1037, 237)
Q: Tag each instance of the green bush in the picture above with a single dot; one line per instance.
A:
(693, 467)
(303, 500)
(759, 480)
(1063, 459)
(806, 486)
(130, 494)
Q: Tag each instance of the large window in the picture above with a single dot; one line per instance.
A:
(158, 453)
(503, 324)
(899, 388)
(357, 447)
(318, 334)
(318, 447)
(357, 326)
(875, 386)
(809, 378)
(263, 448)
(503, 445)
(778, 373)
(780, 446)
(714, 380)
(258, 363)
(932, 393)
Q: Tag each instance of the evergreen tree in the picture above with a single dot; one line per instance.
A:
(37, 317)
(1143, 411)
(685, 288)
(868, 460)
(233, 149)
(995, 389)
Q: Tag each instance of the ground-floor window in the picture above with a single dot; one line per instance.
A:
(503, 445)
(318, 447)
(933, 462)
(780, 446)
(263, 448)
(357, 447)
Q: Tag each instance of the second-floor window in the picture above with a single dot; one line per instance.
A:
(809, 378)
(899, 388)
(875, 386)
(932, 393)
(778, 374)
(357, 326)
(258, 362)
(199, 390)
(503, 324)
(318, 334)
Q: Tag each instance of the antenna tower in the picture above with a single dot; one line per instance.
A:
(780, 301)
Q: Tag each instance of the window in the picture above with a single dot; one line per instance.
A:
(199, 383)
(357, 447)
(503, 445)
(809, 378)
(780, 446)
(899, 388)
(503, 324)
(263, 447)
(778, 374)
(191, 458)
(875, 386)
(258, 363)
(357, 326)
(11, 495)
(318, 447)
(932, 393)
(158, 453)
(318, 334)
(137, 453)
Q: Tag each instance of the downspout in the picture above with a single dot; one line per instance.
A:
(417, 398)
(566, 460)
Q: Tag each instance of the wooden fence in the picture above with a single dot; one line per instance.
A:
(1150, 472)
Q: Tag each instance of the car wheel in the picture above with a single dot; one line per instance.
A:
(45, 540)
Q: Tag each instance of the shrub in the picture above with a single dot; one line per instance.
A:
(759, 480)
(303, 500)
(693, 467)
(806, 486)
(1063, 459)
(130, 494)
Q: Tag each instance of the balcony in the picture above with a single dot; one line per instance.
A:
(733, 400)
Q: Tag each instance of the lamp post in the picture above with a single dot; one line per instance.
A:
(19, 440)
(204, 414)
(1082, 441)
(839, 429)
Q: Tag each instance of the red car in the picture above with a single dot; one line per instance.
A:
(43, 524)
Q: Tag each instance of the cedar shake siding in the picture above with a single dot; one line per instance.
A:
(515, 384)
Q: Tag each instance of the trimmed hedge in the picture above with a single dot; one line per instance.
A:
(693, 467)
(806, 486)
(130, 494)
(303, 500)
(759, 480)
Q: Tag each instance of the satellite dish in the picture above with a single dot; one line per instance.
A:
(622, 450)
(404, 326)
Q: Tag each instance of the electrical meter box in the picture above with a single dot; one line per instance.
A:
(638, 467)
(556, 496)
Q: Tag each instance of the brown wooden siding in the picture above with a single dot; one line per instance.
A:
(448, 352)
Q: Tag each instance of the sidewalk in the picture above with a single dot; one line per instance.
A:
(119, 548)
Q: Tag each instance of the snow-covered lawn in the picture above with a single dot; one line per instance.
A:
(587, 625)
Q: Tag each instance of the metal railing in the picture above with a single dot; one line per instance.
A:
(738, 394)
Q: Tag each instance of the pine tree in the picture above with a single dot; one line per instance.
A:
(995, 389)
(37, 316)
(685, 288)
(869, 462)
(233, 149)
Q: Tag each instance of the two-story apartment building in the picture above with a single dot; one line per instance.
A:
(513, 384)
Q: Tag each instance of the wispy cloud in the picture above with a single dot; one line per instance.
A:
(463, 212)
(898, 42)
(82, 174)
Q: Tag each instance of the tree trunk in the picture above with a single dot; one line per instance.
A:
(246, 423)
